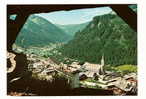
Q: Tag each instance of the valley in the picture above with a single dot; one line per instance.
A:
(99, 56)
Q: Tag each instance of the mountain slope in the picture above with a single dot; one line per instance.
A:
(71, 29)
(106, 35)
(37, 31)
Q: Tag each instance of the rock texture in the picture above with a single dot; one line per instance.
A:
(16, 65)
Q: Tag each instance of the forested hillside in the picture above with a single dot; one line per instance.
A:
(98, 57)
(106, 35)
(38, 31)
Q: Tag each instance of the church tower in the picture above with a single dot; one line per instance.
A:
(102, 72)
(102, 60)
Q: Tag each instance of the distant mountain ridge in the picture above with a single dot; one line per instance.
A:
(38, 31)
(71, 29)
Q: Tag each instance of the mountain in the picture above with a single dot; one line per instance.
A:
(38, 31)
(107, 35)
(71, 29)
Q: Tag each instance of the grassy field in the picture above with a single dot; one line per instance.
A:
(122, 69)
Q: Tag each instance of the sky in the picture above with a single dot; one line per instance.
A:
(74, 16)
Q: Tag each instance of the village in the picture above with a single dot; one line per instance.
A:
(87, 75)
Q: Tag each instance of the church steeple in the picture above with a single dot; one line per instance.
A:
(102, 65)
(102, 60)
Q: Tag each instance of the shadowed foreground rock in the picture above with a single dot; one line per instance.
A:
(20, 71)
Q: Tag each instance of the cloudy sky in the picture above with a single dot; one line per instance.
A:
(74, 16)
